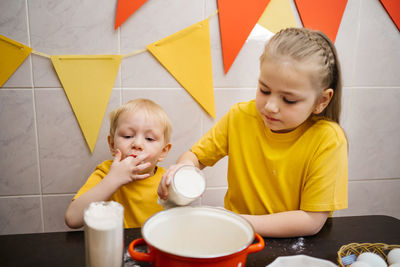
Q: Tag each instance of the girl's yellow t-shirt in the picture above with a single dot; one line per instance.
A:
(271, 172)
(139, 198)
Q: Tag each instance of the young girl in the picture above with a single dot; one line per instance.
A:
(287, 168)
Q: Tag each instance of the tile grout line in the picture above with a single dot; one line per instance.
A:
(201, 134)
(354, 70)
(36, 195)
(204, 10)
(120, 66)
(374, 180)
(35, 121)
(220, 88)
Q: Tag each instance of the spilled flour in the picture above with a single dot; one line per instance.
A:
(299, 245)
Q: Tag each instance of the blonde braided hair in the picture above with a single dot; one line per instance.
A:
(311, 47)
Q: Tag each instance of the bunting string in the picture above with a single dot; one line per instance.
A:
(40, 54)
(130, 54)
(133, 53)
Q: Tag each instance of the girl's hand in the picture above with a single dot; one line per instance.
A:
(129, 169)
(167, 178)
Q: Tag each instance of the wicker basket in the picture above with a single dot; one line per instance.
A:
(358, 248)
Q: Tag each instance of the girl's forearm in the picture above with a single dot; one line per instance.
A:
(189, 156)
(288, 224)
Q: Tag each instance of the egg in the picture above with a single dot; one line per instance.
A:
(394, 256)
(360, 264)
(373, 259)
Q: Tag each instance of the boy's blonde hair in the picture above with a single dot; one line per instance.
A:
(151, 109)
(314, 48)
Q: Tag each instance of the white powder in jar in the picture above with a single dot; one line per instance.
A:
(103, 215)
(104, 234)
(189, 182)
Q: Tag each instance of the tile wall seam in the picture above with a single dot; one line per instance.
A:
(374, 180)
(16, 88)
(59, 194)
(120, 66)
(151, 88)
(365, 87)
(230, 88)
(38, 195)
(296, 13)
(204, 9)
(35, 120)
(357, 39)
(217, 187)
(19, 196)
(201, 131)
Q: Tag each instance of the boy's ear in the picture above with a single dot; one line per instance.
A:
(111, 145)
(323, 100)
(164, 152)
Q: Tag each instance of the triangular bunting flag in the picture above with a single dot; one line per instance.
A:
(237, 19)
(125, 9)
(278, 15)
(393, 9)
(324, 16)
(88, 81)
(12, 54)
(187, 56)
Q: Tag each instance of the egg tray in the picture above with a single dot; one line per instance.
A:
(358, 248)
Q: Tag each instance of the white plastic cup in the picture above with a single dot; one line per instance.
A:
(104, 234)
(187, 185)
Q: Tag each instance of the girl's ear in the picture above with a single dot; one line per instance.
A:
(111, 146)
(164, 152)
(323, 101)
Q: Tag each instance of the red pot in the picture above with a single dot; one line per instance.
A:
(196, 236)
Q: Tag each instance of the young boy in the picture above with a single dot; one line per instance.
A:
(139, 138)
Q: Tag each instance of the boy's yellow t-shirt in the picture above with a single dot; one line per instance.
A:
(139, 198)
(305, 169)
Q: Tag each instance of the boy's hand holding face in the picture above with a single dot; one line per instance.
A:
(130, 168)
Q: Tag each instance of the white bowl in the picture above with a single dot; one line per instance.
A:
(300, 261)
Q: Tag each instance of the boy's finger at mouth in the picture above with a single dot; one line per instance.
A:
(143, 165)
(140, 157)
(147, 164)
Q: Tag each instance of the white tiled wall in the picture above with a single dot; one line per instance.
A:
(44, 158)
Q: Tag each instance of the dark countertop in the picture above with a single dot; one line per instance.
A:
(68, 248)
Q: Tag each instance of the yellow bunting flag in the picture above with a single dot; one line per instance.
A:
(88, 81)
(278, 15)
(12, 54)
(187, 56)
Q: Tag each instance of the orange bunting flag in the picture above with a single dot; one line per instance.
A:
(277, 16)
(187, 56)
(324, 16)
(125, 9)
(12, 54)
(88, 81)
(393, 9)
(237, 19)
